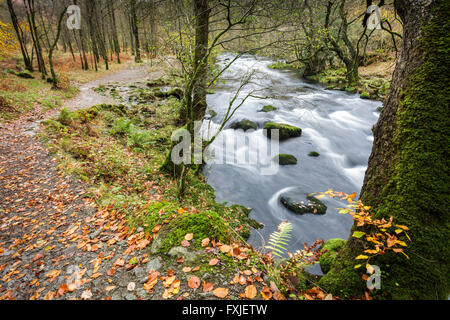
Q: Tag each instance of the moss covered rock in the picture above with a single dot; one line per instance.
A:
(286, 131)
(268, 108)
(302, 203)
(330, 250)
(176, 92)
(244, 124)
(285, 159)
(365, 95)
(25, 74)
(313, 154)
(203, 225)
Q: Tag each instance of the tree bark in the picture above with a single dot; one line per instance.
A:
(23, 47)
(135, 30)
(408, 171)
(201, 12)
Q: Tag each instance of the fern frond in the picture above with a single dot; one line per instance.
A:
(279, 240)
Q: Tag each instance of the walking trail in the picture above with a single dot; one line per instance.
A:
(54, 242)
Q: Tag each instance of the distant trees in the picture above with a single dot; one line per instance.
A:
(108, 27)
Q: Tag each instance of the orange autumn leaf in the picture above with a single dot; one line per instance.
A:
(225, 248)
(242, 280)
(205, 242)
(220, 292)
(63, 289)
(156, 228)
(207, 286)
(194, 282)
(185, 243)
(119, 262)
(266, 293)
(213, 262)
(250, 292)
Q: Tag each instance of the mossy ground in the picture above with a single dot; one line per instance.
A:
(369, 87)
(20, 95)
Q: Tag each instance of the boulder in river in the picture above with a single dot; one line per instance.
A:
(313, 154)
(286, 131)
(285, 159)
(302, 203)
(268, 108)
(244, 124)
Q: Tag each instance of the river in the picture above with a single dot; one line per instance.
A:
(336, 124)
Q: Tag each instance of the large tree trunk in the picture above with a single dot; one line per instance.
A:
(23, 46)
(135, 30)
(408, 172)
(201, 11)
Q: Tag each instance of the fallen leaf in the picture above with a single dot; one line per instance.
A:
(266, 293)
(225, 248)
(250, 292)
(187, 269)
(185, 243)
(220, 292)
(189, 237)
(213, 262)
(180, 260)
(87, 294)
(194, 282)
(131, 286)
(207, 286)
(205, 242)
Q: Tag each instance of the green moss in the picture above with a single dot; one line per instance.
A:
(286, 159)
(330, 249)
(281, 66)
(203, 225)
(286, 131)
(313, 154)
(268, 108)
(365, 95)
(244, 124)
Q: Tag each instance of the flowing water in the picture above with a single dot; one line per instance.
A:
(336, 124)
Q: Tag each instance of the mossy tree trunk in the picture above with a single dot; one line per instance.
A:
(201, 12)
(408, 172)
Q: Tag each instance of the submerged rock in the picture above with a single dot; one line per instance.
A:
(286, 131)
(313, 154)
(302, 203)
(244, 124)
(285, 159)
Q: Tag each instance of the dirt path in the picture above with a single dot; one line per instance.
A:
(53, 242)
